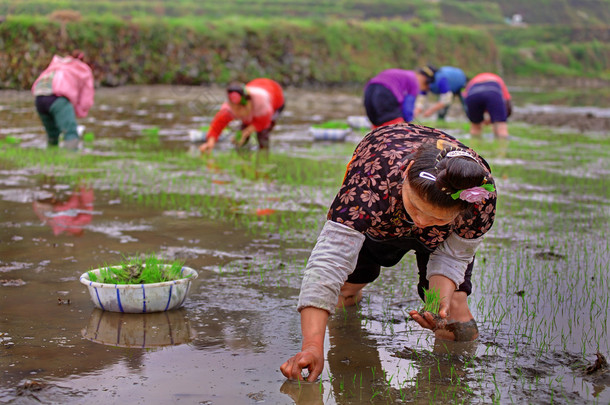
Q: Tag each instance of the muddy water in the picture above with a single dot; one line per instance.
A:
(541, 295)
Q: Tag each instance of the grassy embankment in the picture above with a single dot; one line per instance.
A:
(302, 42)
(558, 38)
(472, 12)
(188, 51)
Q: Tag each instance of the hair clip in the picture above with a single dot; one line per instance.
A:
(458, 153)
(427, 176)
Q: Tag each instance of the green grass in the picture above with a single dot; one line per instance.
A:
(289, 39)
(151, 136)
(492, 12)
(11, 140)
(148, 270)
(143, 174)
(289, 50)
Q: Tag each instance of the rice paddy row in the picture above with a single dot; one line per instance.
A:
(541, 276)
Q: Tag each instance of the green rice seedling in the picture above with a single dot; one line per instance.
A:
(237, 136)
(332, 125)
(151, 136)
(154, 131)
(432, 301)
(107, 275)
(12, 140)
(149, 270)
(374, 392)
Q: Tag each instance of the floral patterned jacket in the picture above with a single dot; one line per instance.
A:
(370, 199)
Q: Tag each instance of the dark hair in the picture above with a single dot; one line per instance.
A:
(78, 54)
(452, 174)
(429, 71)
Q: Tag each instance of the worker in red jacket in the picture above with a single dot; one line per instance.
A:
(258, 104)
(488, 101)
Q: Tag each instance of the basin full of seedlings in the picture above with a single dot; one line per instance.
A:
(334, 131)
(139, 285)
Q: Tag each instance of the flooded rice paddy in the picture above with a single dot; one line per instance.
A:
(246, 222)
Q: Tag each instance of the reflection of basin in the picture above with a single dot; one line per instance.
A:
(157, 329)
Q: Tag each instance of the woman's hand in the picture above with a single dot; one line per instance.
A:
(245, 135)
(208, 145)
(428, 320)
(446, 288)
(311, 356)
(454, 321)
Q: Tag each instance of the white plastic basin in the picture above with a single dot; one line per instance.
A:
(140, 298)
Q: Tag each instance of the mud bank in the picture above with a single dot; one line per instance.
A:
(583, 120)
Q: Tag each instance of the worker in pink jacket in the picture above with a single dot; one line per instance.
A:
(64, 91)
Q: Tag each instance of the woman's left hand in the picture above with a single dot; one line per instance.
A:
(208, 145)
(446, 287)
(242, 141)
(427, 320)
(245, 135)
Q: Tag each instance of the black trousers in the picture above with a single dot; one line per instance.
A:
(387, 253)
(380, 104)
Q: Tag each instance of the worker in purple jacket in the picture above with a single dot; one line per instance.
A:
(389, 97)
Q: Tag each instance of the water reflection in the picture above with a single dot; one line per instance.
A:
(355, 363)
(70, 216)
(158, 329)
(443, 373)
(358, 373)
(304, 393)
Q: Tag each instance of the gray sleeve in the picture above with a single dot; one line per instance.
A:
(331, 261)
(452, 257)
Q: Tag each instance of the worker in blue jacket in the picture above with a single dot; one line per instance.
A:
(448, 82)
